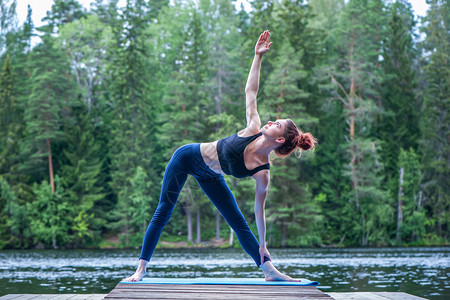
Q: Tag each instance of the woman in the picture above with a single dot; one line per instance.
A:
(241, 155)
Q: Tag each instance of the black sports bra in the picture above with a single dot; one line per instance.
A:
(231, 155)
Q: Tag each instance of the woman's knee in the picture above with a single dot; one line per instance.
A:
(238, 223)
(162, 214)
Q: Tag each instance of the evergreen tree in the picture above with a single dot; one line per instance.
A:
(8, 20)
(356, 78)
(413, 226)
(51, 215)
(134, 130)
(330, 160)
(51, 94)
(399, 125)
(63, 12)
(81, 171)
(326, 13)
(10, 120)
(435, 118)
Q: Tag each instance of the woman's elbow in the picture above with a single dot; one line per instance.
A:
(250, 91)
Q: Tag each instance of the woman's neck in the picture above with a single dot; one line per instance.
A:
(263, 146)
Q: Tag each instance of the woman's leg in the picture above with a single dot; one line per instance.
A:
(173, 182)
(221, 196)
(174, 179)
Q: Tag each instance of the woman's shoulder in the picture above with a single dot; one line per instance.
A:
(246, 132)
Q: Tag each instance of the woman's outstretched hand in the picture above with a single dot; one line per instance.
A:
(263, 45)
(263, 252)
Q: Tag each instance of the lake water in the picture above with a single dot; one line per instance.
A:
(423, 272)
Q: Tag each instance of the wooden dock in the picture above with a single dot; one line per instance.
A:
(210, 292)
(53, 297)
(303, 295)
(374, 296)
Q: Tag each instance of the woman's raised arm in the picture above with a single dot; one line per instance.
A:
(251, 89)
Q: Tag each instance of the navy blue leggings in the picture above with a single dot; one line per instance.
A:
(188, 160)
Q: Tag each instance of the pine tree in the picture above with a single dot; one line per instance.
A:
(356, 78)
(51, 94)
(413, 226)
(63, 12)
(10, 120)
(134, 127)
(326, 13)
(400, 128)
(435, 118)
(330, 160)
(51, 215)
(8, 20)
(82, 167)
(399, 125)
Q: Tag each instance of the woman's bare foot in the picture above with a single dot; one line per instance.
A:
(140, 272)
(135, 277)
(272, 274)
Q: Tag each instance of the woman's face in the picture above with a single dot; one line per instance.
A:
(274, 129)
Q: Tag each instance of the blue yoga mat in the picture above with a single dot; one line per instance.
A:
(225, 281)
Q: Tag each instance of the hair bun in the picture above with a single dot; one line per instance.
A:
(306, 141)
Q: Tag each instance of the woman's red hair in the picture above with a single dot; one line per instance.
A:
(294, 139)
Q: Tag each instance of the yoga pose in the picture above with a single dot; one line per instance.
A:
(243, 154)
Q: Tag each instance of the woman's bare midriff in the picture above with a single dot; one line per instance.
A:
(210, 156)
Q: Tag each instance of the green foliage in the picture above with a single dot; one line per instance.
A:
(51, 215)
(83, 163)
(50, 97)
(414, 215)
(85, 41)
(435, 118)
(399, 125)
(10, 120)
(102, 98)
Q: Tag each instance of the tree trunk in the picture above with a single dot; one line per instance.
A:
(50, 166)
(351, 107)
(231, 236)
(284, 236)
(398, 236)
(281, 96)
(217, 226)
(126, 234)
(189, 223)
(198, 239)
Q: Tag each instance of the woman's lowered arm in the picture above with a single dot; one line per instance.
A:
(262, 183)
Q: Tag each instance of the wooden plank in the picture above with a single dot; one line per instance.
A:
(208, 296)
(400, 296)
(241, 292)
(374, 296)
(356, 296)
(11, 296)
(217, 292)
(25, 296)
(53, 296)
(96, 297)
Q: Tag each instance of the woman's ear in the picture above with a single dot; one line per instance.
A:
(280, 140)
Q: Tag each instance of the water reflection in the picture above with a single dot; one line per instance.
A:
(419, 271)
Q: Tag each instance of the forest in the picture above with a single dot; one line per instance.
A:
(94, 103)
